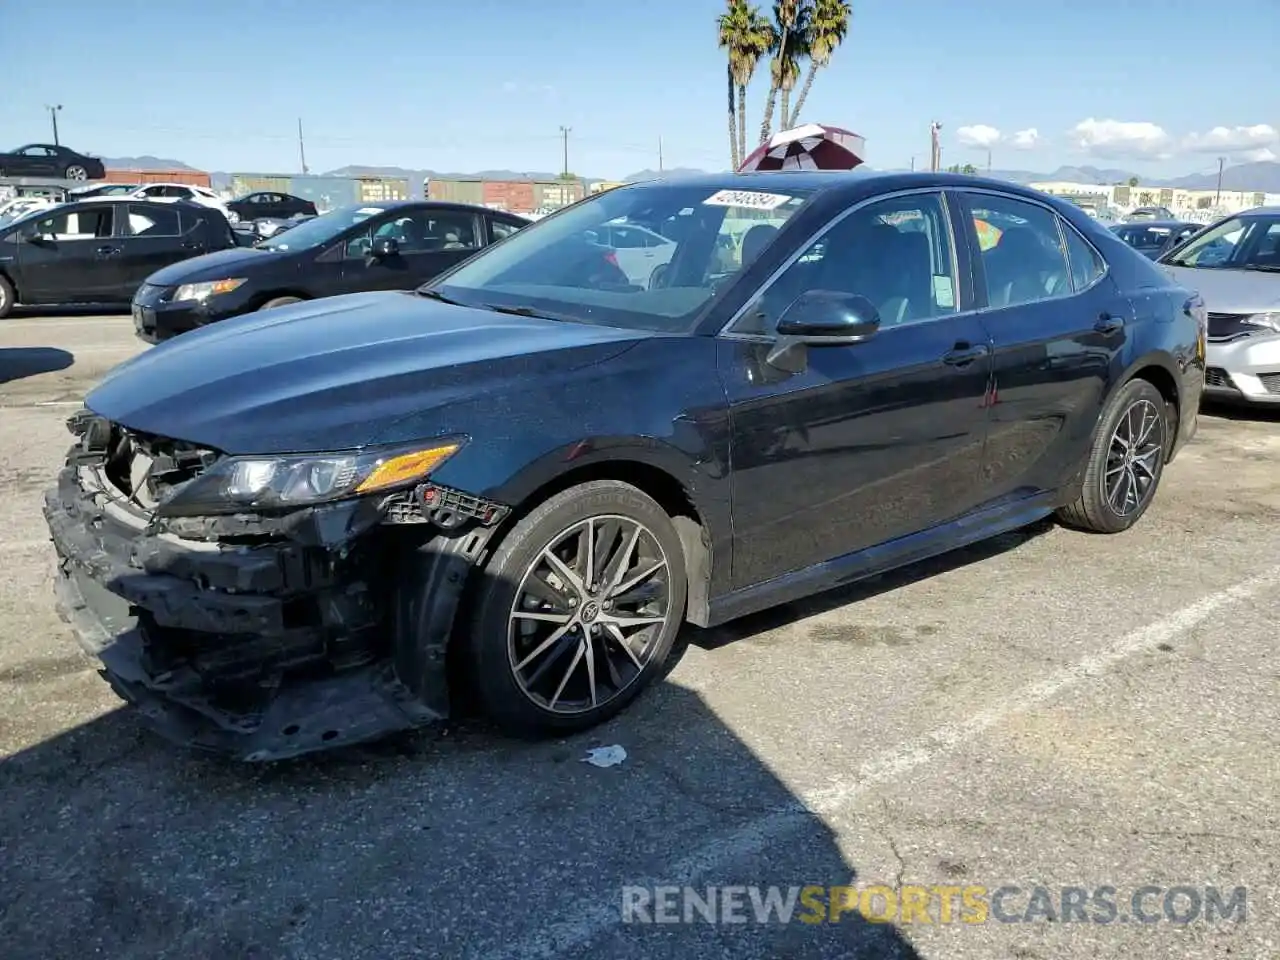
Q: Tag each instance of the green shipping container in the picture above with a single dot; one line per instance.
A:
(456, 191)
(242, 183)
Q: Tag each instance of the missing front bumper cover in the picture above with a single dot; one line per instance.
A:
(290, 636)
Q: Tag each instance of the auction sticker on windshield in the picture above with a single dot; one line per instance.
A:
(750, 199)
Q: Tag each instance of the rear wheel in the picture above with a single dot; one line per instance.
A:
(1126, 462)
(7, 297)
(578, 610)
(280, 302)
(76, 172)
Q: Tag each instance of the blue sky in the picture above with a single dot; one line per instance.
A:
(488, 83)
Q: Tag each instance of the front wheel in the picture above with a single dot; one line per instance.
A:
(1126, 462)
(6, 297)
(76, 172)
(578, 610)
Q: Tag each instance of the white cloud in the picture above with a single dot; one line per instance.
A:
(979, 136)
(1027, 139)
(1236, 143)
(1121, 139)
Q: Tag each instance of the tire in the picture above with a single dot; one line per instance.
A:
(515, 685)
(280, 302)
(1137, 408)
(75, 172)
(7, 297)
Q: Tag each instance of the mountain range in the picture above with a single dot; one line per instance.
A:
(1262, 176)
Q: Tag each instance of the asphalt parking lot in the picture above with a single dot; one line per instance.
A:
(1051, 709)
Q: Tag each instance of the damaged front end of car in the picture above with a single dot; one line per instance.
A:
(264, 607)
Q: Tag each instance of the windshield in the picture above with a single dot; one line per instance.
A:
(1238, 243)
(318, 230)
(647, 257)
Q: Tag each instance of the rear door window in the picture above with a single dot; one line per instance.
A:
(152, 221)
(1022, 255)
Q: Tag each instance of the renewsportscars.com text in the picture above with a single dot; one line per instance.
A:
(919, 904)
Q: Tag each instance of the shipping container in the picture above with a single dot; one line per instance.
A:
(246, 183)
(327, 193)
(195, 178)
(556, 193)
(456, 190)
(379, 189)
(515, 196)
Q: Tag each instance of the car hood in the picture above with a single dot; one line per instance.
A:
(337, 373)
(1230, 291)
(221, 265)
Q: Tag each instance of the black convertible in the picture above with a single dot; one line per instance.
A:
(50, 160)
(312, 525)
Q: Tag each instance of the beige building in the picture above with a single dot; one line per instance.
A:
(1192, 204)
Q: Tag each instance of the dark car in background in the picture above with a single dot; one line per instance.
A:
(377, 246)
(50, 160)
(309, 527)
(1151, 238)
(100, 251)
(271, 204)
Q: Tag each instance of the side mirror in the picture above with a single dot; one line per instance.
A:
(384, 247)
(38, 240)
(828, 317)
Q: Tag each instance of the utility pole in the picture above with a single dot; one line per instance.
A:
(913, 164)
(659, 154)
(564, 132)
(935, 146)
(988, 160)
(53, 115)
(1217, 197)
(302, 149)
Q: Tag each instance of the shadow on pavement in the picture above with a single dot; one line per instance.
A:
(69, 310)
(19, 362)
(1262, 413)
(450, 842)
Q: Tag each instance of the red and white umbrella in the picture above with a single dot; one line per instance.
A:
(812, 146)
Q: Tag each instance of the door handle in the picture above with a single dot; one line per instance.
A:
(107, 251)
(963, 354)
(1108, 323)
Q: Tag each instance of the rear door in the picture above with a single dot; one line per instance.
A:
(1057, 322)
(154, 235)
(430, 241)
(71, 256)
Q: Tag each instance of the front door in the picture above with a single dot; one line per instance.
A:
(862, 443)
(1057, 324)
(71, 257)
(429, 241)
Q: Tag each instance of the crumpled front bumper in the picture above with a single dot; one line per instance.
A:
(260, 651)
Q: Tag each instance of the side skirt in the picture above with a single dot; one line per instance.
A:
(972, 528)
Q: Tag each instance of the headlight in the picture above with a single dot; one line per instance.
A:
(1269, 321)
(257, 483)
(203, 291)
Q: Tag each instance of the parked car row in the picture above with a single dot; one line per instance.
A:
(1151, 238)
(198, 268)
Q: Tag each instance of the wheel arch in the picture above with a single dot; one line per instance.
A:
(1159, 369)
(265, 298)
(651, 469)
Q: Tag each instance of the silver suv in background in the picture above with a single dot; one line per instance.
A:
(1235, 266)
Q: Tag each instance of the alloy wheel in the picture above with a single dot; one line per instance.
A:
(77, 173)
(588, 614)
(1133, 458)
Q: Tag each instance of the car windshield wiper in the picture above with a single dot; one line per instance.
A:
(516, 311)
(437, 295)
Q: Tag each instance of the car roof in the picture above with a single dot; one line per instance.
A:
(850, 184)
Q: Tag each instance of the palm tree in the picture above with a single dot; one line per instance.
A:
(787, 49)
(746, 35)
(828, 25)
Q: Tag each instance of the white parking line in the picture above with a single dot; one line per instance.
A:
(581, 927)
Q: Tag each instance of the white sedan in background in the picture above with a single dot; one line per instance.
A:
(180, 191)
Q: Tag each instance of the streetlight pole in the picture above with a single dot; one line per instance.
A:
(1217, 197)
(53, 115)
